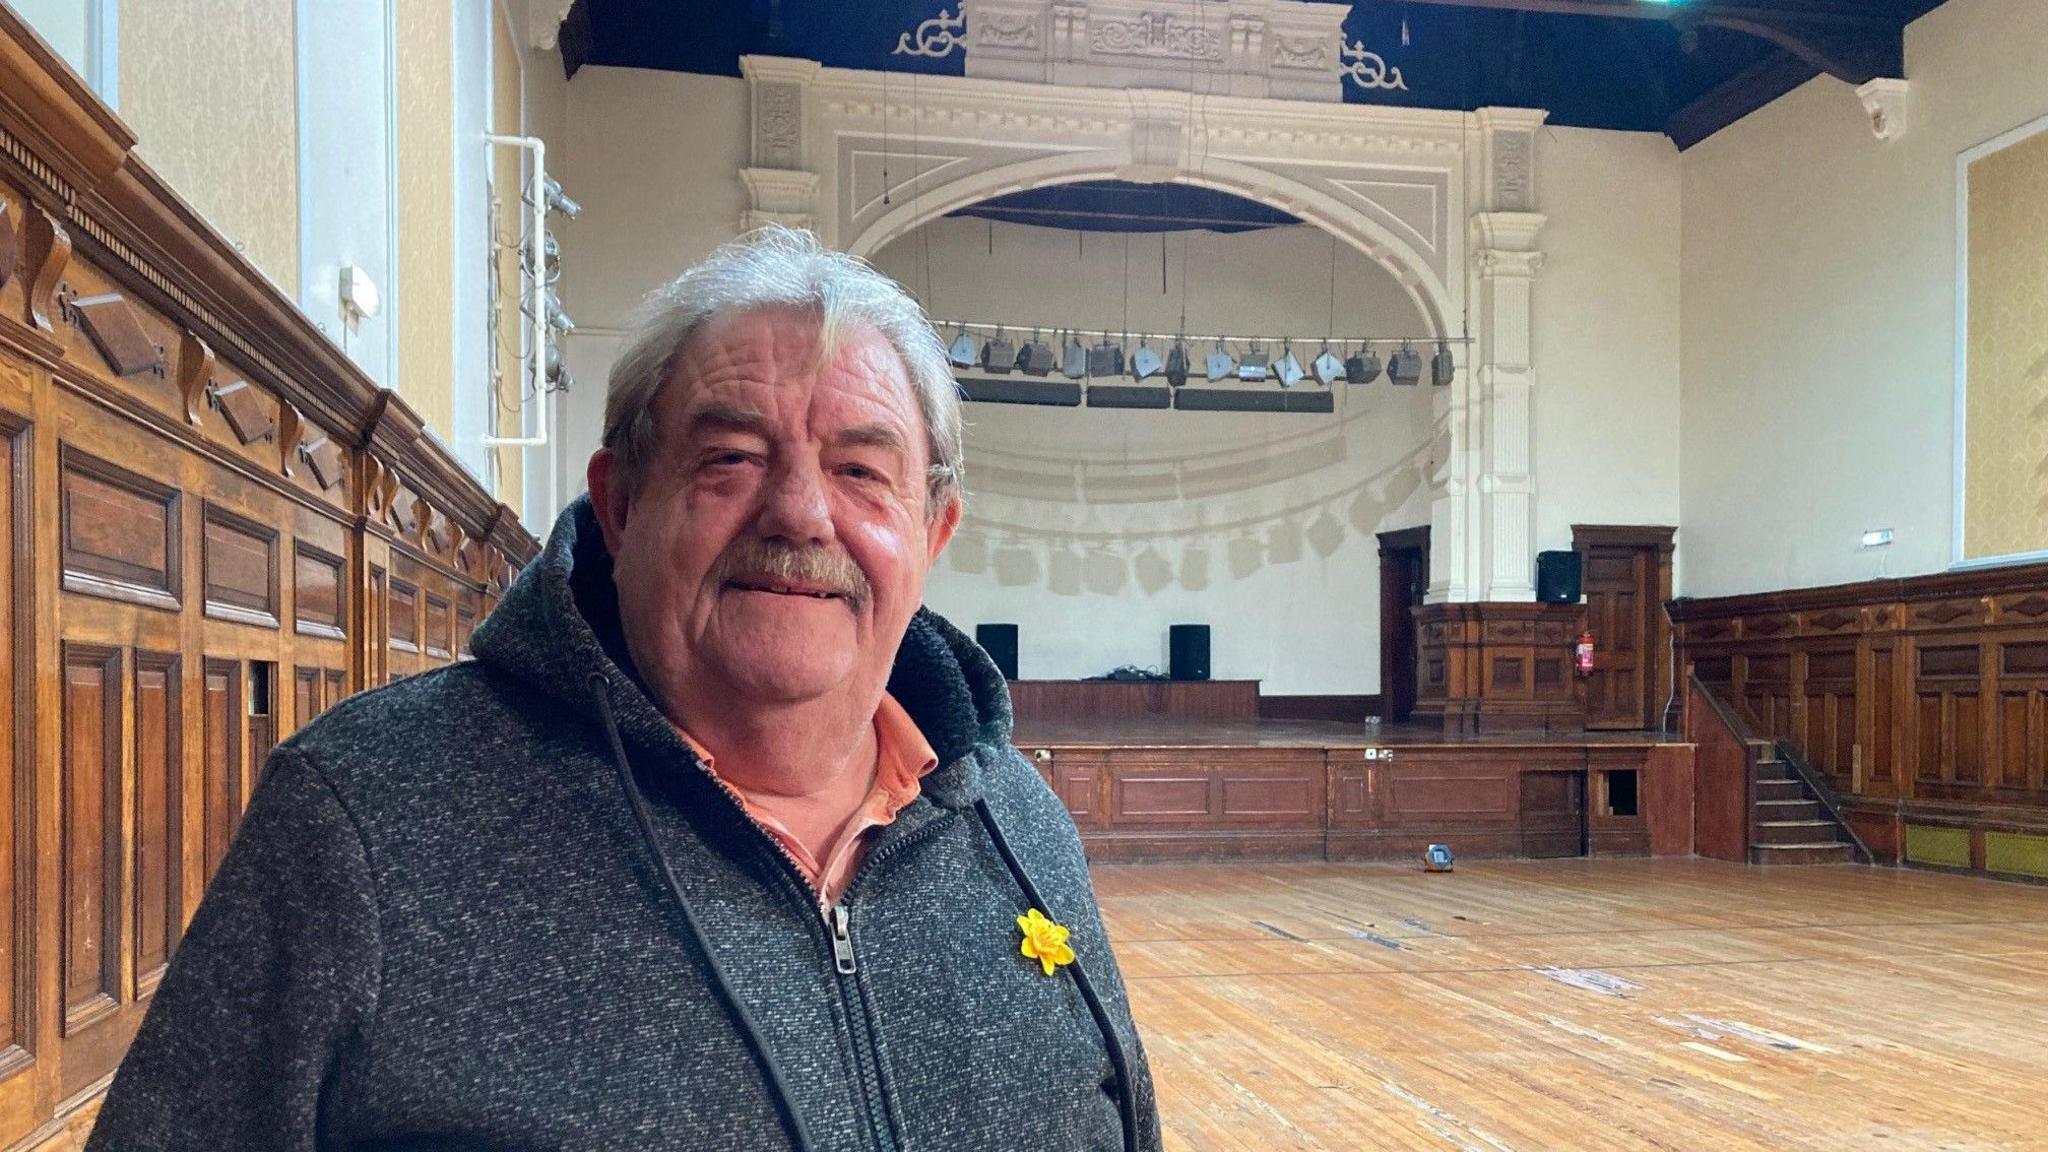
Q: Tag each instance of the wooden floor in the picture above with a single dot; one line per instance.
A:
(1689, 1005)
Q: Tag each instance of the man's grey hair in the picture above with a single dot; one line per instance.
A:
(782, 267)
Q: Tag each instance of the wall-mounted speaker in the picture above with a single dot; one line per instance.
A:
(1000, 642)
(1189, 645)
(1557, 577)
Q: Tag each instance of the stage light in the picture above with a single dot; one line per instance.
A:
(1219, 364)
(1442, 366)
(1177, 364)
(1254, 365)
(557, 318)
(999, 355)
(1288, 369)
(1035, 358)
(1327, 367)
(559, 201)
(1362, 367)
(1405, 367)
(962, 351)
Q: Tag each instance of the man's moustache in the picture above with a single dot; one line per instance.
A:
(817, 566)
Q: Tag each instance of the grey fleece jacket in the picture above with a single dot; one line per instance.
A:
(439, 927)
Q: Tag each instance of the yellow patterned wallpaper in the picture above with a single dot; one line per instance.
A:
(426, 211)
(210, 89)
(505, 179)
(2005, 493)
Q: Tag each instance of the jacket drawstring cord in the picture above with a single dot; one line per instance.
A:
(743, 1020)
(1127, 1092)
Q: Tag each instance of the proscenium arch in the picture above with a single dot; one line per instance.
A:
(1432, 299)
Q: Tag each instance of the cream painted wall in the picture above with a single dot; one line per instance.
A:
(654, 202)
(655, 159)
(1606, 328)
(1818, 350)
(1095, 530)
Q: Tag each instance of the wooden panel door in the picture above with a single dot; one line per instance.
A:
(1627, 574)
(1553, 814)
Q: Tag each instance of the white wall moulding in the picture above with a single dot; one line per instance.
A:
(1884, 100)
(1236, 47)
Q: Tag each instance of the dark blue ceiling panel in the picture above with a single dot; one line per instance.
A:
(1594, 71)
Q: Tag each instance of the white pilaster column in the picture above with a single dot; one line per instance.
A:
(1505, 258)
(780, 187)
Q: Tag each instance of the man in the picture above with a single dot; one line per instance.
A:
(719, 841)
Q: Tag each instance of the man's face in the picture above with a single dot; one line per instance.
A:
(777, 542)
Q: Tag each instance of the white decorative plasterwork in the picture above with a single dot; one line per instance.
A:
(779, 196)
(1156, 34)
(1884, 99)
(1275, 48)
(544, 22)
(1007, 30)
(938, 36)
(1369, 70)
(778, 125)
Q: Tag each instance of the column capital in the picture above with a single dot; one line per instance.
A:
(1507, 231)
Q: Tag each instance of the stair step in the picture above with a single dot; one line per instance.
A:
(1780, 790)
(1775, 770)
(1794, 809)
(1796, 832)
(1835, 853)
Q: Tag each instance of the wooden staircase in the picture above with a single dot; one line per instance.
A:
(1758, 800)
(1790, 826)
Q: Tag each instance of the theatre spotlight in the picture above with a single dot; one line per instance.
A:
(1405, 367)
(558, 319)
(1441, 366)
(559, 201)
(1363, 367)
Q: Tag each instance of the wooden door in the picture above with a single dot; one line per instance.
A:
(1404, 578)
(1627, 578)
(1553, 817)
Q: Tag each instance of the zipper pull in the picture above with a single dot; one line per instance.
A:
(842, 943)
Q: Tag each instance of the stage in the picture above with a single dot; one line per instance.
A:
(1163, 787)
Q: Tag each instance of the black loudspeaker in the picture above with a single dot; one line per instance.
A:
(1557, 577)
(1000, 642)
(1189, 644)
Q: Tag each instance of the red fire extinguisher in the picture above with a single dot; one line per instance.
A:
(1582, 654)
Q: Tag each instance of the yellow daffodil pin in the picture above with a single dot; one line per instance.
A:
(1044, 941)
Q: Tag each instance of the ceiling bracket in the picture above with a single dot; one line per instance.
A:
(1885, 100)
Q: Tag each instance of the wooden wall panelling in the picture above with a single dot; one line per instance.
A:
(1499, 667)
(1724, 773)
(1066, 700)
(1617, 814)
(1922, 698)
(188, 523)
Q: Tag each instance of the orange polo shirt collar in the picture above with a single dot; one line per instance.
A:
(902, 757)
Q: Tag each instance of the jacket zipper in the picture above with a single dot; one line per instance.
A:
(837, 920)
(867, 1054)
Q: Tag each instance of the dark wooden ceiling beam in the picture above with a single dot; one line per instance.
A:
(1852, 40)
(1736, 97)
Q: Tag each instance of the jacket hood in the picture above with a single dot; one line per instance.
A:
(557, 630)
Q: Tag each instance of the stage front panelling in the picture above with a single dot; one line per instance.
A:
(1219, 802)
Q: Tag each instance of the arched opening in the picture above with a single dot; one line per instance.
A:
(1239, 520)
